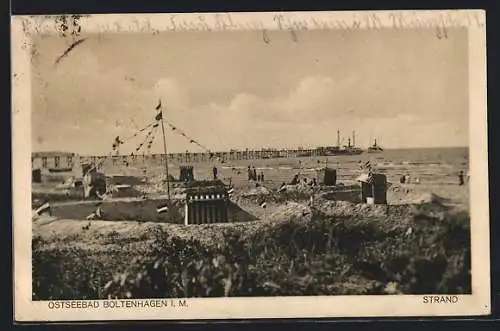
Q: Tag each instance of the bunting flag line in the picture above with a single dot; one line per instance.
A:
(191, 140)
(150, 142)
(147, 141)
(122, 141)
(117, 142)
(149, 138)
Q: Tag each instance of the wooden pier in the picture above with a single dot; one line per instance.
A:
(232, 155)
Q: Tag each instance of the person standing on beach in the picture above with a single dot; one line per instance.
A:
(461, 178)
(262, 176)
(214, 171)
(249, 173)
(254, 174)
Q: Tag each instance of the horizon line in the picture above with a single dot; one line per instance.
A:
(250, 149)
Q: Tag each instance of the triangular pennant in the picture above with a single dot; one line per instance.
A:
(159, 116)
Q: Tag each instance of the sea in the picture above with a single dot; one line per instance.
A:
(440, 166)
(427, 165)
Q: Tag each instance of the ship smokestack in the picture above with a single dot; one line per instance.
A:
(354, 138)
(338, 137)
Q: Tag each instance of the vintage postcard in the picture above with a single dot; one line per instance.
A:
(250, 165)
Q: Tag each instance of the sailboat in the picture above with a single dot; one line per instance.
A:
(375, 148)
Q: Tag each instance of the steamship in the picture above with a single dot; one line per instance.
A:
(349, 149)
(375, 148)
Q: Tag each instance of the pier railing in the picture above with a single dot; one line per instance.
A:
(206, 157)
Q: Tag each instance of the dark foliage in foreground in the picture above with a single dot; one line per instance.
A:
(320, 257)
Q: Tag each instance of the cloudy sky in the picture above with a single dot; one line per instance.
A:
(407, 88)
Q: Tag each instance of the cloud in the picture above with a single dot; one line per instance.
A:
(249, 120)
(312, 93)
(171, 93)
(308, 114)
(312, 100)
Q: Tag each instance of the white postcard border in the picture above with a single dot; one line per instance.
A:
(272, 307)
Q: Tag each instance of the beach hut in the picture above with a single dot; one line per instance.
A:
(206, 204)
(373, 188)
(186, 173)
(327, 176)
(36, 175)
(93, 182)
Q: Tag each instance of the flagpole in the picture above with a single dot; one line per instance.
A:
(166, 155)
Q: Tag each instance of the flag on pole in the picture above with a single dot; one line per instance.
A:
(162, 209)
(45, 208)
(370, 176)
(97, 214)
(365, 165)
(159, 115)
(230, 193)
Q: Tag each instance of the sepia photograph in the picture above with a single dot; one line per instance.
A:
(208, 158)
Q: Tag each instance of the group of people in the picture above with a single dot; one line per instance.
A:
(253, 175)
(406, 179)
(462, 179)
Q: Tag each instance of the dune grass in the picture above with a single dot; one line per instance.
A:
(323, 255)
